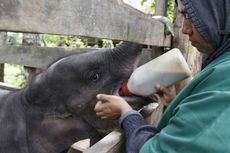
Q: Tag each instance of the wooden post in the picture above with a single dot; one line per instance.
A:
(2, 43)
(181, 41)
(154, 118)
(30, 40)
(161, 7)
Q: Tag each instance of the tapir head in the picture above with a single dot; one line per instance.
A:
(71, 84)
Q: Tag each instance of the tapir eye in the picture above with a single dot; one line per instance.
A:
(94, 77)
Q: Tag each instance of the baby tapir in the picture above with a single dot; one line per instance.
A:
(56, 108)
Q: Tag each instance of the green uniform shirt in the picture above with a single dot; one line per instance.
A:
(198, 119)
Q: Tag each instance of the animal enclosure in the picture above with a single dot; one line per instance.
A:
(109, 19)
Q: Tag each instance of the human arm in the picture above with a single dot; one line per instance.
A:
(112, 107)
(137, 132)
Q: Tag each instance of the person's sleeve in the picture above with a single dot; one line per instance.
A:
(198, 125)
(137, 132)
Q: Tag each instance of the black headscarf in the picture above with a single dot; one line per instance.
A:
(211, 19)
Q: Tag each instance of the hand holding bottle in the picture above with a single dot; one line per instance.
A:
(166, 94)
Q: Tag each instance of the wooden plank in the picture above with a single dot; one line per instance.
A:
(112, 143)
(80, 146)
(37, 57)
(5, 86)
(110, 19)
(2, 42)
(76, 149)
(157, 112)
(40, 57)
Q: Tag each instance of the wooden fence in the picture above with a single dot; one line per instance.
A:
(111, 19)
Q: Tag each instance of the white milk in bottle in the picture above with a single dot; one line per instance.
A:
(166, 69)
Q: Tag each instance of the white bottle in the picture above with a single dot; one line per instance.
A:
(166, 69)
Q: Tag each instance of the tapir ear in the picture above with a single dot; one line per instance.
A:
(128, 47)
(37, 90)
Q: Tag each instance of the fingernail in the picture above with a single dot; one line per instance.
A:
(98, 96)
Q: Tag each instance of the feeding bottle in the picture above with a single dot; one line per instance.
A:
(166, 69)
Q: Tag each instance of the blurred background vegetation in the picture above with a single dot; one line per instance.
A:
(14, 74)
(151, 4)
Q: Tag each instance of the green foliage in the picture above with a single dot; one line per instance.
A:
(171, 10)
(107, 43)
(152, 6)
(14, 38)
(62, 41)
(14, 74)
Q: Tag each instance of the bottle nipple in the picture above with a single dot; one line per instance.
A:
(124, 91)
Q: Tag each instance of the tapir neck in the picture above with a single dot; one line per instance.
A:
(56, 135)
(51, 134)
(12, 119)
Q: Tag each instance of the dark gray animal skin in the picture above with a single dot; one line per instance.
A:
(56, 108)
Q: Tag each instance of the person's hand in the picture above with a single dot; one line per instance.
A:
(166, 94)
(110, 106)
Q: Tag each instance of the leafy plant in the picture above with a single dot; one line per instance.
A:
(14, 74)
(107, 43)
(14, 38)
(171, 10)
(61, 41)
(152, 5)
